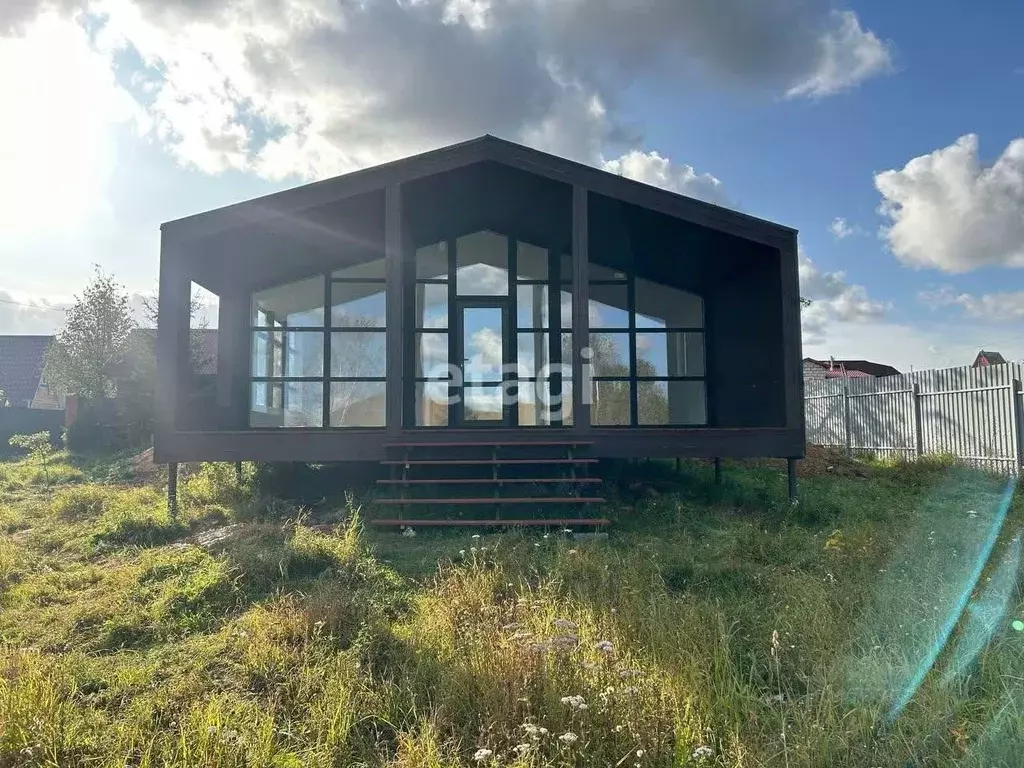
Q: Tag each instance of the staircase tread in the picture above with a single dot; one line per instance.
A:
(457, 462)
(500, 500)
(499, 481)
(496, 443)
(564, 522)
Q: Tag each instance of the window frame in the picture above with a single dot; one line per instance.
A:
(629, 279)
(327, 331)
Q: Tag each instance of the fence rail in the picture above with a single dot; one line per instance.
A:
(976, 414)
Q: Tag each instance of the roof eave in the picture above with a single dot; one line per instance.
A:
(482, 149)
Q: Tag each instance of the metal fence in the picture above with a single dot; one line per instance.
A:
(976, 414)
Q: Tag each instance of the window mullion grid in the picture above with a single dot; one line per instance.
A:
(634, 397)
(454, 330)
(325, 398)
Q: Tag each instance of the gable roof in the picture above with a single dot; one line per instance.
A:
(991, 358)
(859, 366)
(486, 148)
(21, 367)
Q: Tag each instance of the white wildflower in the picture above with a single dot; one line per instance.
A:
(564, 624)
(462, 552)
(514, 625)
(640, 753)
(604, 646)
(624, 673)
(473, 550)
(618, 729)
(576, 702)
(408, 533)
(482, 754)
(533, 731)
(476, 537)
(522, 749)
(630, 689)
(567, 531)
(701, 752)
(573, 552)
(568, 737)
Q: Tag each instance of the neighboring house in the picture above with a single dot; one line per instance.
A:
(819, 370)
(22, 359)
(21, 372)
(577, 307)
(986, 358)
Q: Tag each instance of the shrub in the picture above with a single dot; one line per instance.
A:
(39, 447)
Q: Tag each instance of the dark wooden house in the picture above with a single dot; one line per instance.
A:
(482, 294)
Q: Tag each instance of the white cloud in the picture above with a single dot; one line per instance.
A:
(842, 229)
(949, 212)
(56, 142)
(848, 55)
(23, 314)
(652, 168)
(995, 307)
(313, 88)
(833, 301)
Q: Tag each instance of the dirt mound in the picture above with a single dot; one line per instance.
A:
(144, 471)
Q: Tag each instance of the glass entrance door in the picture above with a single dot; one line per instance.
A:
(483, 357)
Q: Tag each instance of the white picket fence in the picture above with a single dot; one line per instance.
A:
(976, 414)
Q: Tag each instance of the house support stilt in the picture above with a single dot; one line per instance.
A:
(791, 477)
(172, 488)
(718, 471)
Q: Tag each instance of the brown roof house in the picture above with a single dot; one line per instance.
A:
(21, 372)
(22, 359)
(985, 358)
(819, 370)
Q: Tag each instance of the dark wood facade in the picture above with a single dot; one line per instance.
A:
(598, 235)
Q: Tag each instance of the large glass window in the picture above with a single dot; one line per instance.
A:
(532, 284)
(647, 352)
(482, 264)
(319, 350)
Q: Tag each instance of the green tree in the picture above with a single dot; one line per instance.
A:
(39, 448)
(90, 351)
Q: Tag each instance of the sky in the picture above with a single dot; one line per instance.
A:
(891, 135)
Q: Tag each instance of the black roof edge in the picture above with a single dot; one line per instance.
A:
(481, 149)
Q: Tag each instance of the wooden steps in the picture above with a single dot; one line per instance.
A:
(489, 481)
(461, 462)
(500, 500)
(532, 522)
(489, 444)
(490, 474)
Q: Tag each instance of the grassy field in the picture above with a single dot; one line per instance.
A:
(868, 625)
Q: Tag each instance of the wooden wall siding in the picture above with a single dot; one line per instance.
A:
(976, 414)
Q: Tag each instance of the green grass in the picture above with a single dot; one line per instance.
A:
(716, 626)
